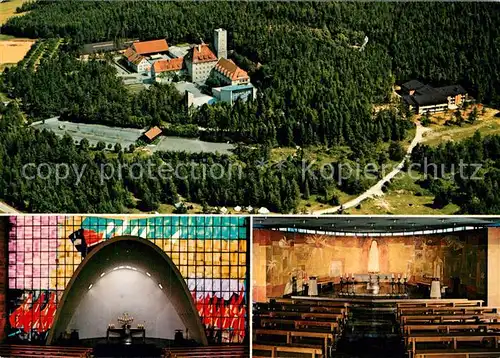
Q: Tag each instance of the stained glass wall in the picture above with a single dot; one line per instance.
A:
(209, 251)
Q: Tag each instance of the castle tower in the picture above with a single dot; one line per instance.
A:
(220, 43)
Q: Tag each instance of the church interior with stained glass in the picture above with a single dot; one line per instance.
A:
(109, 286)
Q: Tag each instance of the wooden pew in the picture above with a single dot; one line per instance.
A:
(275, 349)
(299, 308)
(302, 315)
(440, 303)
(485, 317)
(459, 353)
(327, 337)
(229, 351)
(450, 327)
(299, 323)
(447, 310)
(312, 302)
(25, 351)
(452, 338)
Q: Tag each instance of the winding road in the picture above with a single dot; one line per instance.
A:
(376, 190)
(7, 209)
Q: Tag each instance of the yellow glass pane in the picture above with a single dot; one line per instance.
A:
(183, 258)
(233, 246)
(233, 257)
(208, 258)
(225, 258)
(243, 259)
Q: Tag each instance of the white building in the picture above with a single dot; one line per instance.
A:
(165, 69)
(229, 73)
(220, 43)
(231, 94)
(137, 62)
(199, 62)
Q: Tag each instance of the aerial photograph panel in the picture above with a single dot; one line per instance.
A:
(249, 107)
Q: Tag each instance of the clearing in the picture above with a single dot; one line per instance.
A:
(13, 50)
(487, 124)
(8, 9)
(405, 196)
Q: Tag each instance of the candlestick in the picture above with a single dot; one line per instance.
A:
(392, 275)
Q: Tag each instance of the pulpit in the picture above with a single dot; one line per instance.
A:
(435, 288)
(313, 286)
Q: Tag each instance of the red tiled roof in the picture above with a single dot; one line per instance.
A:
(133, 57)
(174, 64)
(129, 52)
(152, 133)
(229, 69)
(149, 47)
(202, 53)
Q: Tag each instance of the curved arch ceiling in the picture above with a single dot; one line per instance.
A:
(136, 252)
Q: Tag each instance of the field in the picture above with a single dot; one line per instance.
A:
(14, 50)
(8, 9)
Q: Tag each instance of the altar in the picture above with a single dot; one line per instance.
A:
(125, 333)
(373, 286)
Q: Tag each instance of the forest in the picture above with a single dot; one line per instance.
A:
(466, 173)
(239, 180)
(317, 87)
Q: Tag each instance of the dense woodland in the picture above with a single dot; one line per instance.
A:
(466, 173)
(316, 87)
(246, 178)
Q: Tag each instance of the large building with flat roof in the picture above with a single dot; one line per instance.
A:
(233, 93)
(422, 98)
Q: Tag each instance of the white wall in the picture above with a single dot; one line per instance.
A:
(125, 291)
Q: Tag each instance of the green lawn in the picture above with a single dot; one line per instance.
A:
(404, 197)
(6, 37)
(487, 124)
(135, 88)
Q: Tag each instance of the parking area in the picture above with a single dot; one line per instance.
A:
(190, 145)
(126, 136)
(92, 132)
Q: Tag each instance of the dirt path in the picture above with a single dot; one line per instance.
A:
(376, 190)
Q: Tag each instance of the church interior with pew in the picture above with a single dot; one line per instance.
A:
(416, 287)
